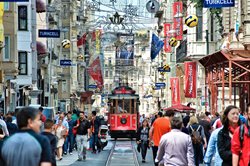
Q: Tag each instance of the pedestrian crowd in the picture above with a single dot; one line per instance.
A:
(191, 140)
(28, 138)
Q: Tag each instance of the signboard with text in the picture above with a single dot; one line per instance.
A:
(218, 3)
(65, 62)
(47, 33)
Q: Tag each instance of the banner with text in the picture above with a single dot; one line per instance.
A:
(218, 3)
(167, 28)
(177, 20)
(175, 89)
(190, 79)
(1, 24)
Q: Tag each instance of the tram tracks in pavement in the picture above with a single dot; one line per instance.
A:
(122, 153)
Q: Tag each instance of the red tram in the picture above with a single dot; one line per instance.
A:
(124, 112)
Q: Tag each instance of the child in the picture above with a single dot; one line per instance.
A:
(48, 128)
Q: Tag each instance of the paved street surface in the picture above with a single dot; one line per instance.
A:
(100, 159)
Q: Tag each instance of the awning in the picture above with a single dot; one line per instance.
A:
(40, 6)
(41, 49)
(215, 58)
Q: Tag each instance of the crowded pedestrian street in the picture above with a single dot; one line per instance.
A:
(124, 82)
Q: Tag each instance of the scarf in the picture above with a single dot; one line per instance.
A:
(232, 128)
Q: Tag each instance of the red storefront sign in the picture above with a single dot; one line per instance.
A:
(190, 79)
(177, 19)
(175, 89)
(167, 28)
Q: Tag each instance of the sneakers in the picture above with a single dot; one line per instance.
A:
(70, 153)
(65, 153)
(79, 159)
(143, 160)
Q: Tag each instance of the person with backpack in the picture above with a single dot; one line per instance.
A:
(198, 138)
(82, 134)
(230, 121)
(241, 143)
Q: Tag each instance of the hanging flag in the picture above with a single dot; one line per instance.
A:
(177, 19)
(95, 72)
(190, 79)
(175, 89)
(156, 46)
(82, 40)
(93, 36)
(167, 28)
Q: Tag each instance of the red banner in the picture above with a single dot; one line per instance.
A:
(177, 19)
(175, 89)
(95, 72)
(190, 79)
(82, 40)
(167, 28)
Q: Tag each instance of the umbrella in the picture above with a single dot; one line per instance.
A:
(179, 108)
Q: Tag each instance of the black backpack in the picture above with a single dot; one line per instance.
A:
(195, 135)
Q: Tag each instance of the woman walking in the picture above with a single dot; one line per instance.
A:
(143, 139)
(61, 133)
(198, 137)
(230, 121)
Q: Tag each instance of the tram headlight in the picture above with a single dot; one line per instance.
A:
(123, 120)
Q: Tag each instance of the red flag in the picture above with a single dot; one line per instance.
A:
(95, 72)
(82, 40)
(175, 89)
(177, 18)
(167, 28)
(190, 79)
(93, 36)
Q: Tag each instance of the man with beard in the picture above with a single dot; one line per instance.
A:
(82, 135)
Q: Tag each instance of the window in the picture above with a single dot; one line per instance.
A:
(64, 86)
(106, 73)
(212, 28)
(6, 50)
(22, 18)
(111, 73)
(199, 27)
(110, 60)
(22, 63)
(6, 6)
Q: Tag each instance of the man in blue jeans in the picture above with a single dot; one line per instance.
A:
(69, 142)
(96, 132)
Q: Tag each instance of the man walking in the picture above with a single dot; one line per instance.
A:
(82, 134)
(96, 132)
(160, 127)
(176, 147)
(240, 144)
(27, 147)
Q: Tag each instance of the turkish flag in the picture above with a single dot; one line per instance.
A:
(82, 40)
(95, 72)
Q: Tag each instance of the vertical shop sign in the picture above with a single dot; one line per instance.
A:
(190, 79)
(175, 89)
(177, 19)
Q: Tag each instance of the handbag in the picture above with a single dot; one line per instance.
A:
(139, 147)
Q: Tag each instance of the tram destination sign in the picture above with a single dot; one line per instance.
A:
(218, 3)
(47, 33)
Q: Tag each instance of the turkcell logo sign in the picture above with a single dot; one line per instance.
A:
(160, 84)
(65, 62)
(49, 33)
(92, 86)
(218, 3)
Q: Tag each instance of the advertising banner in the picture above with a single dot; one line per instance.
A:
(218, 3)
(125, 50)
(175, 89)
(167, 28)
(190, 79)
(95, 72)
(156, 46)
(177, 19)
